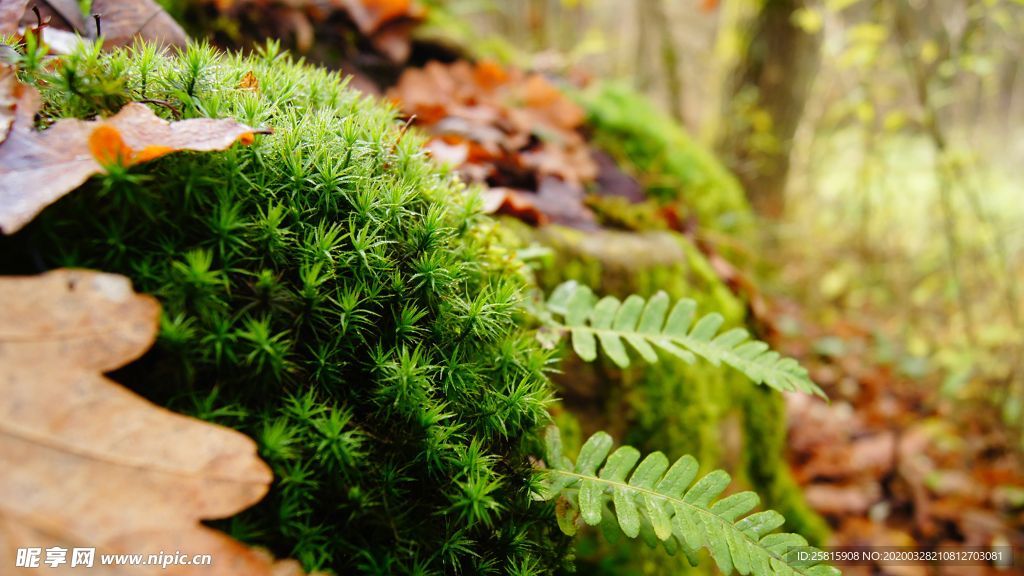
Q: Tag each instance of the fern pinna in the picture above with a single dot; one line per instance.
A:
(641, 323)
(656, 505)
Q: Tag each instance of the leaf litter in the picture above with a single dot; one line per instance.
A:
(90, 464)
(39, 167)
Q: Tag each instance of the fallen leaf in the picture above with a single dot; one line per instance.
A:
(562, 203)
(370, 15)
(452, 155)
(513, 203)
(394, 40)
(249, 83)
(123, 20)
(57, 41)
(612, 181)
(842, 500)
(10, 15)
(84, 462)
(37, 168)
(10, 89)
(64, 15)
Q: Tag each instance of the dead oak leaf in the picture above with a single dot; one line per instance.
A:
(121, 21)
(10, 90)
(37, 168)
(84, 462)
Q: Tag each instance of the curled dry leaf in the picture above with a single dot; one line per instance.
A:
(37, 168)
(10, 15)
(84, 462)
(515, 203)
(10, 90)
(370, 15)
(123, 20)
(64, 15)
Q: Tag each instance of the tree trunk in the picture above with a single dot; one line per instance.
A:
(778, 68)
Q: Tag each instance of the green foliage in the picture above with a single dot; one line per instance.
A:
(658, 504)
(330, 293)
(609, 321)
(668, 162)
(670, 406)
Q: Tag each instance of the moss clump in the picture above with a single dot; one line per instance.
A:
(330, 293)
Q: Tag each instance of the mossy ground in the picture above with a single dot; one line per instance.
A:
(330, 293)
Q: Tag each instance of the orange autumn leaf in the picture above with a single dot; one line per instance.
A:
(37, 168)
(513, 203)
(84, 462)
(249, 83)
(370, 15)
(489, 74)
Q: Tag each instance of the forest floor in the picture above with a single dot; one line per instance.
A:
(891, 461)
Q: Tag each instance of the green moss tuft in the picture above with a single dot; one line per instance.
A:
(330, 293)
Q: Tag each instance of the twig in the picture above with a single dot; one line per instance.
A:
(162, 103)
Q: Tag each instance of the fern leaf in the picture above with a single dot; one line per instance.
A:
(657, 503)
(647, 325)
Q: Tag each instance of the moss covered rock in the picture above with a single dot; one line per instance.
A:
(330, 293)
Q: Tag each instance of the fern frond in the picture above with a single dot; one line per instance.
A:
(643, 323)
(656, 505)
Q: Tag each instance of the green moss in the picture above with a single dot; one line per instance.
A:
(330, 293)
(668, 162)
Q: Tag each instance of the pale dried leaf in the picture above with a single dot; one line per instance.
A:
(123, 20)
(86, 463)
(37, 168)
(10, 89)
(62, 15)
(10, 15)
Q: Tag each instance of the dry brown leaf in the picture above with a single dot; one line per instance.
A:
(10, 89)
(249, 83)
(37, 168)
(394, 40)
(58, 14)
(370, 15)
(84, 462)
(452, 155)
(513, 203)
(10, 15)
(123, 20)
(841, 500)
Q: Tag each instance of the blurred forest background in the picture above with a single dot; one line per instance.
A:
(843, 176)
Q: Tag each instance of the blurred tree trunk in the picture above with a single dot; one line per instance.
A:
(773, 79)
